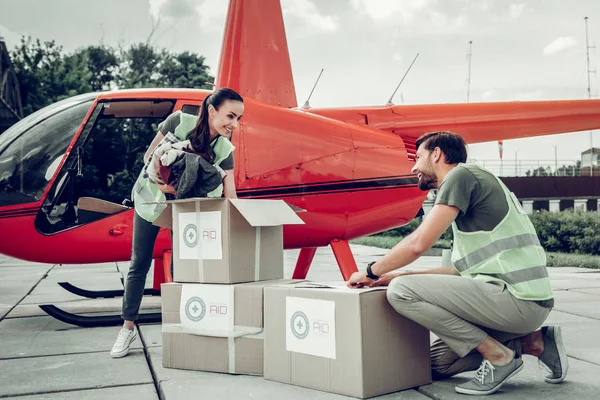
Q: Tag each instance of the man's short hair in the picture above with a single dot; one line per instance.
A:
(452, 145)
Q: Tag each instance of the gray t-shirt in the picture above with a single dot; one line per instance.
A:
(173, 120)
(477, 194)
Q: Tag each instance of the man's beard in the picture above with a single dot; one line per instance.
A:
(428, 181)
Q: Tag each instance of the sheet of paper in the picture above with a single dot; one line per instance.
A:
(206, 308)
(310, 326)
(200, 236)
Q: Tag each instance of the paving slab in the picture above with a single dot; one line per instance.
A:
(582, 282)
(142, 392)
(185, 384)
(569, 270)
(152, 334)
(112, 279)
(581, 383)
(4, 309)
(594, 291)
(70, 372)
(219, 387)
(583, 304)
(573, 296)
(43, 336)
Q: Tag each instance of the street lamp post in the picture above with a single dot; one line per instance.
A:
(555, 159)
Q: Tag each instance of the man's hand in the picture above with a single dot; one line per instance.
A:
(359, 280)
(385, 279)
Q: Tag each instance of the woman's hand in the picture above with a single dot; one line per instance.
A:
(167, 188)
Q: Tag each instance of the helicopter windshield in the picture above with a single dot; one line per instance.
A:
(31, 150)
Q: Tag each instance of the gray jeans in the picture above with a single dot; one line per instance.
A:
(462, 312)
(144, 236)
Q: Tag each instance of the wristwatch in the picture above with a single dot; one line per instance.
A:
(370, 273)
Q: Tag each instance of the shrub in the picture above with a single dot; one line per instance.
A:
(565, 232)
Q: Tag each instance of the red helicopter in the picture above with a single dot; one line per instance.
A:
(349, 168)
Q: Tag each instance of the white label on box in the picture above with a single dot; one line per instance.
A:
(206, 309)
(310, 326)
(202, 229)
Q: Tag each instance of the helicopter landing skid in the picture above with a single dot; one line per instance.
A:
(101, 294)
(86, 321)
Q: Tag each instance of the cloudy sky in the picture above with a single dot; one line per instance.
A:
(522, 49)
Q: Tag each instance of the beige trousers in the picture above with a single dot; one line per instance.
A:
(462, 312)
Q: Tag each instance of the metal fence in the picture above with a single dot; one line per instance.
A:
(533, 167)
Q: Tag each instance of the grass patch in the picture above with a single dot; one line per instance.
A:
(572, 260)
(554, 259)
(387, 242)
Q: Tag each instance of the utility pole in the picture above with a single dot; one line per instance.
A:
(469, 70)
(589, 90)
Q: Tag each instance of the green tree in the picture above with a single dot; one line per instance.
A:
(40, 70)
(46, 75)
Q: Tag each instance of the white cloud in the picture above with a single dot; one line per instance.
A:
(487, 94)
(383, 9)
(212, 14)
(445, 24)
(559, 45)
(397, 57)
(309, 14)
(516, 10)
(11, 38)
(530, 96)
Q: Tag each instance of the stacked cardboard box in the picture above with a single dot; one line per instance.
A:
(341, 340)
(225, 252)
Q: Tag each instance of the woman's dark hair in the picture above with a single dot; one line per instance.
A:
(451, 144)
(200, 136)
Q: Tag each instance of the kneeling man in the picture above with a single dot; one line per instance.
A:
(485, 309)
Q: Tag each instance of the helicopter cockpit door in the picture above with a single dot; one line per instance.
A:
(102, 165)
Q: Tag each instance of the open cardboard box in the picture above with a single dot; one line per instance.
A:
(227, 240)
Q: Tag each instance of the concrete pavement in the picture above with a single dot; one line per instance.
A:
(42, 358)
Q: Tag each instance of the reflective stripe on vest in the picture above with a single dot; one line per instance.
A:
(494, 248)
(523, 275)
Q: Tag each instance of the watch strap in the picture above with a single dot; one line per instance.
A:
(370, 273)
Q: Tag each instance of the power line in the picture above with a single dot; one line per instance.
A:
(469, 54)
(589, 90)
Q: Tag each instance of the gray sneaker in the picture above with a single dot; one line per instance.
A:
(554, 356)
(489, 377)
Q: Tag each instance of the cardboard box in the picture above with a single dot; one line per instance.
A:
(221, 330)
(227, 240)
(340, 340)
(235, 354)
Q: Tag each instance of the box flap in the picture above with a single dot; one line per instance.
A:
(266, 212)
(334, 286)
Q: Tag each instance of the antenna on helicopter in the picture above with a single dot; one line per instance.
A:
(306, 104)
(389, 103)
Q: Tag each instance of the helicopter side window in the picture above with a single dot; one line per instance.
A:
(31, 150)
(103, 165)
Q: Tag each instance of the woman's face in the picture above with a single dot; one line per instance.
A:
(224, 120)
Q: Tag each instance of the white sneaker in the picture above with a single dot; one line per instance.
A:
(124, 340)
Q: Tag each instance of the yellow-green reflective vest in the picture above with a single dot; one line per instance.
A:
(145, 191)
(511, 253)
